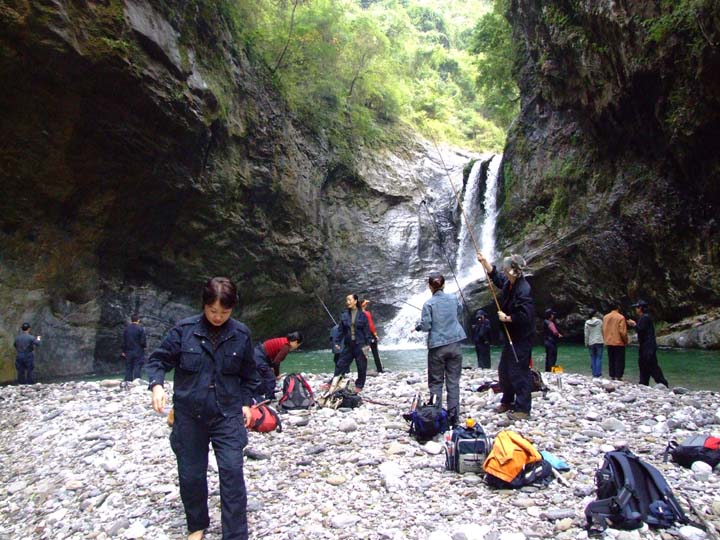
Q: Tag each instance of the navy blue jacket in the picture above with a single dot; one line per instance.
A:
(646, 335)
(517, 302)
(188, 350)
(134, 342)
(25, 343)
(362, 328)
(481, 332)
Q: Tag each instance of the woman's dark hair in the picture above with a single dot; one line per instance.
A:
(436, 281)
(295, 336)
(222, 289)
(134, 317)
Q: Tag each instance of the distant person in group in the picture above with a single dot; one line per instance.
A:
(373, 331)
(615, 336)
(440, 318)
(25, 344)
(551, 337)
(594, 342)
(356, 335)
(133, 349)
(481, 338)
(215, 380)
(268, 356)
(647, 351)
(516, 313)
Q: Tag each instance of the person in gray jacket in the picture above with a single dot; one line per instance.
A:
(594, 341)
(441, 320)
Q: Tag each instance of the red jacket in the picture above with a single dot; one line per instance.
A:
(371, 324)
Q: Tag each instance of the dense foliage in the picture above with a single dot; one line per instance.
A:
(361, 69)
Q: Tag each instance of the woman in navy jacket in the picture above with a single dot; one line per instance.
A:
(215, 379)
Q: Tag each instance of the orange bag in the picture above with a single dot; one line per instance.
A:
(264, 419)
(509, 455)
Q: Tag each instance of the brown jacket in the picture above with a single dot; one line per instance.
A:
(614, 329)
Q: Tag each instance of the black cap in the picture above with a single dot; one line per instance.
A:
(25, 326)
(549, 312)
(640, 303)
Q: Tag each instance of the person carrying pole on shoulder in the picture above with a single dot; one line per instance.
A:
(517, 314)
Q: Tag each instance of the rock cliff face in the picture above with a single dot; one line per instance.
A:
(610, 173)
(144, 152)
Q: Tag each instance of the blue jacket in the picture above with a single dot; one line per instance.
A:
(362, 328)
(188, 350)
(481, 332)
(134, 341)
(516, 301)
(441, 319)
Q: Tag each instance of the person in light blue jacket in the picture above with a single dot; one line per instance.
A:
(441, 320)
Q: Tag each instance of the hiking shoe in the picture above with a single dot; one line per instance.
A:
(518, 415)
(503, 408)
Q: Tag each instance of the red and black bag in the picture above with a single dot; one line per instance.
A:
(297, 393)
(694, 448)
(264, 419)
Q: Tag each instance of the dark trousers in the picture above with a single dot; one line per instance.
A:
(445, 367)
(515, 378)
(25, 364)
(550, 354)
(189, 440)
(266, 372)
(133, 367)
(616, 361)
(482, 351)
(351, 352)
(649, 367)
(376, 356)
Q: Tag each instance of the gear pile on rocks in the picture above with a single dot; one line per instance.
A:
(85, 460)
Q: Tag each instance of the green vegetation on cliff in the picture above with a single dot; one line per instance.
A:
(361, 69)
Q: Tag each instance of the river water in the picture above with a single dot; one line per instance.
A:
(695, 369)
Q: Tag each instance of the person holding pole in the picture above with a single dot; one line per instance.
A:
(516, 312)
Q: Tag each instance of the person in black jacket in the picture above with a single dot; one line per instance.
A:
(647, 351)
(133, 348)
(517, 314)
(481, 339)
(25, 344)
(215, 380)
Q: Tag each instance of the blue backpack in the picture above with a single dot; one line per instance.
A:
(426, 420)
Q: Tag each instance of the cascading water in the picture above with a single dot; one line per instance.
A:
(398, 332)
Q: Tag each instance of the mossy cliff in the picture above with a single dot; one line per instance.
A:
(145, 150)
(610, 179)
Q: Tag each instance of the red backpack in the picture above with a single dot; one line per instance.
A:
(264, 419)
(297, 393)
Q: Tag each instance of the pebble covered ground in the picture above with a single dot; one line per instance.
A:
(87, 460)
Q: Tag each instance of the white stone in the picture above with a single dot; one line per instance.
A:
(688, 532)
(135, 530)
(432, 447)
(343, 520)
(470, 531)
(439, 535)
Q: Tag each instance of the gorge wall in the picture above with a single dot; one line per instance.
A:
(610, 179)
(144, 152)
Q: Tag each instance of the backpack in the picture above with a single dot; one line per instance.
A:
(264, 419)
(466, 449)
(631, 492)
(426, 420)
(537, 383)
(694, 448)
(337, 340)
(514, 462)
(297, 393)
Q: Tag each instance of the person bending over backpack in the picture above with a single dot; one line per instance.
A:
(517, 314)
(268, 356)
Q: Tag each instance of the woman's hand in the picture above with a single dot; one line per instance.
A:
(246, 415)
(503, 318)
(159, 398)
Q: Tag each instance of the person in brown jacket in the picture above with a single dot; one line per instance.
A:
(614, 331)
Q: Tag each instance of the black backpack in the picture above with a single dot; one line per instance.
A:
(631, 492)
(343, 398)
(297, 393)
(537, 474)
(693, 448)
(426, 420)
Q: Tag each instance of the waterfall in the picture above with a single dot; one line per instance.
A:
(398, 332)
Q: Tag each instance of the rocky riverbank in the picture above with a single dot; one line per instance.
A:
(85, 460)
